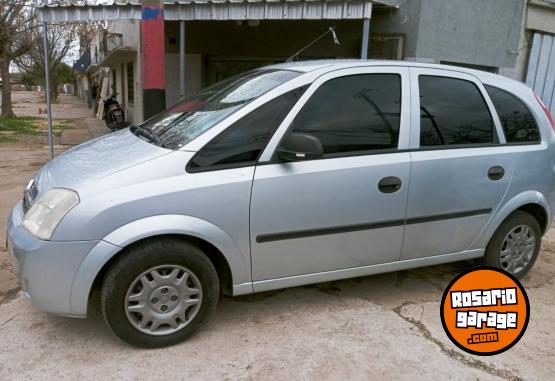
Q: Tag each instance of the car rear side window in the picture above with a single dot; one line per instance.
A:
(242, 143)
(453, 112)
(519, 125)
(353, 114)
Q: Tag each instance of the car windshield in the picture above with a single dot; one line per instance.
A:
(187, 120)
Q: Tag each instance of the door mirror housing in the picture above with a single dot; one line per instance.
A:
(298, 147)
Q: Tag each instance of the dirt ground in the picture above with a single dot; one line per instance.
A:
(19, 160)
(31, 103)
(385, 326)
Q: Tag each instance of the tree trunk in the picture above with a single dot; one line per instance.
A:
(7, 110)
(53, 89)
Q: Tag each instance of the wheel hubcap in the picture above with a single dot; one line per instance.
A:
(517, 249)
(163, 300)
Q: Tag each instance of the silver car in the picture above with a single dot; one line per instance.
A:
(287, 175)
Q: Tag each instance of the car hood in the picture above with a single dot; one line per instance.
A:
(95, 159)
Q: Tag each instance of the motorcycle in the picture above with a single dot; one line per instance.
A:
(113, 113)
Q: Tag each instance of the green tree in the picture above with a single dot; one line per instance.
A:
(61, 74)
(64, 74)
(61, 39)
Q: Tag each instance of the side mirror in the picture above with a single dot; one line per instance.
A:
(298, 147)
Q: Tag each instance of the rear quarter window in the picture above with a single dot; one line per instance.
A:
(519, 125)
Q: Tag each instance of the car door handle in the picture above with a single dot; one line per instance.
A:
(496, 173)
(389, 184)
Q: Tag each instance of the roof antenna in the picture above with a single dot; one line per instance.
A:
(331, 30)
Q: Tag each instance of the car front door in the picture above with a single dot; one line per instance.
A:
(346, 209)
(460, 165)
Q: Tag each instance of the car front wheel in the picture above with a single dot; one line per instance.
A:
(159, 292)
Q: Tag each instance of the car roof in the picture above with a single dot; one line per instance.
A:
(335, 64)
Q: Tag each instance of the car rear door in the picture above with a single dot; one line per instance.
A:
(460, 166)
(338, 212)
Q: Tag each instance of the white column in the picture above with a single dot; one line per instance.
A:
(365, 36)
(181, 60)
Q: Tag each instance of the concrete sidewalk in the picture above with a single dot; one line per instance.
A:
(31, 103)
(84, 130)
(96, 127)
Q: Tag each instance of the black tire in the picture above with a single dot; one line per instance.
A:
(110, 122)
(142, 257)
(493, 250)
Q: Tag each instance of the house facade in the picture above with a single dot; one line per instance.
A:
(112, 53)
(206, 41)
(536, 59)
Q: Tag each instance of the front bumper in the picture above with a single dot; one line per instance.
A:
(45, 269)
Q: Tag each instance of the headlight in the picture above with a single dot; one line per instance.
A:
(46, 213)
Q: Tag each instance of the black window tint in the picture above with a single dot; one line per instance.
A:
(242, 143)
(453, 112)
(518, 122)
(354, 113)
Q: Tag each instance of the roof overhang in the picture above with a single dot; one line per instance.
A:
(215, 10)
(76, 12)
(116, 55)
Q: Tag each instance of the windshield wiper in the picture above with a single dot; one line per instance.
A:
(147, 133)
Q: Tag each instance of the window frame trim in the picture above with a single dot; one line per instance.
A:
(220, 167)
(415, 73)
(269, 154)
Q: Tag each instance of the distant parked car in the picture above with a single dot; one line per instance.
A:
(287, 175)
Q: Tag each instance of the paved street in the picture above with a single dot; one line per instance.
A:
(378, 327)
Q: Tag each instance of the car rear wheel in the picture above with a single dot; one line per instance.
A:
(159, 292)
(515, 245)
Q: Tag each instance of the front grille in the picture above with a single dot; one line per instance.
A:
(29, 195)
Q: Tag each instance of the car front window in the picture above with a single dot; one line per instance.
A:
(187, 120)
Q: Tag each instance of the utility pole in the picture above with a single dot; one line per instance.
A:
(47, 85)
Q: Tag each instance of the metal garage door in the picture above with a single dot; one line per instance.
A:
(541, 69)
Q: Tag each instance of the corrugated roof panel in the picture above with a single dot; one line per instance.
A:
(238, 11)
(334, 10)
(354, 9)
(313, 11)
(200, 11)
(256, 12)
(89, 13)
(295, 10)
(86, 3)
(174, 13)
(212, 10)
(273, 11)
(220, 13)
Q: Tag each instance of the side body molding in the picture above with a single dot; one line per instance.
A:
(508, 207)
(239, 262)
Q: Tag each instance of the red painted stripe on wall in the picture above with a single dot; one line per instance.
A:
(152, 47)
